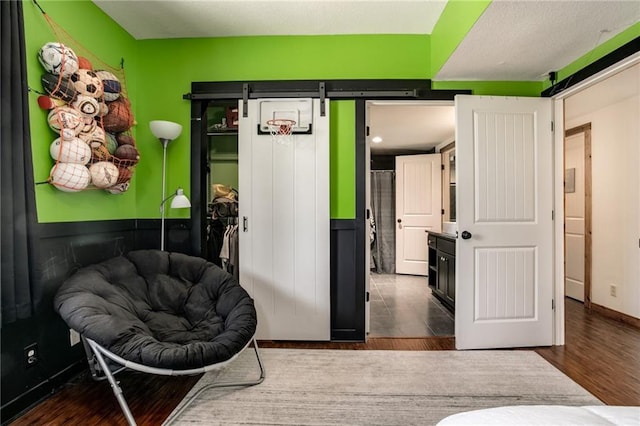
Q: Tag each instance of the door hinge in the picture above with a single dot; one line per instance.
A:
(367, 297)
(553, 215)
(442, 211)
(553, 304)
(553, 127)
(368, 130)
(441, 166)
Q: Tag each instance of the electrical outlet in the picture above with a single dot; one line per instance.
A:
(613, 290)
(31, 355)
(74, 337)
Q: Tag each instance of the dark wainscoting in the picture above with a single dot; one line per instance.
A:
(347, 293)
(60, 250)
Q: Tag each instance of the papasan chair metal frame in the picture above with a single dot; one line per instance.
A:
(132, 302)
(100, 353)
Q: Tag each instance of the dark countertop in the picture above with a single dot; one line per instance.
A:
(442, 235)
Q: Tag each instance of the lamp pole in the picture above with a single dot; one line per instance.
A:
(164, 142)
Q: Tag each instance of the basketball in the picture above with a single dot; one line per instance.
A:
(59, 87)
(87, 83)
(65, 118)
(120, 118)
(111, 85)
(87, 105)
(127, 152)
(69, 177)
(125, 174)
(103, 174)
(58, 59)
(46, 102)
(84, 63)
(125, 139)
(71, 151)
(99, 153)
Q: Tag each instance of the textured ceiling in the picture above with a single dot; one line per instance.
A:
(524, 40)
(148, 19)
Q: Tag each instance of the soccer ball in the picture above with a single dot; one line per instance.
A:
(59, 87)
(64, 118)
(104, 174)
(70, 177)
(58, 59)
(72, 151)
(111, 84)
(118, 188)
(87, 83)
(95, 138)
(87, 106)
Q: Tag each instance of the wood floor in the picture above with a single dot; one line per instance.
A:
(600, 354)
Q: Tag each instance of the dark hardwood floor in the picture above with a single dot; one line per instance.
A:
(600, 354)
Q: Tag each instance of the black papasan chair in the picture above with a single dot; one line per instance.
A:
(160, 313)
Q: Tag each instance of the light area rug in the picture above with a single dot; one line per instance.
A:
(348, 387)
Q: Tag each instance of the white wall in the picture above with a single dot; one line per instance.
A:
(613, 109)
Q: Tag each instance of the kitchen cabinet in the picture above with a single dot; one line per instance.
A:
(442, 268)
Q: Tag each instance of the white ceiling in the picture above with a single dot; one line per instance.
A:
(514, 40)
(518, 40)
(409, 126)
(148, 19)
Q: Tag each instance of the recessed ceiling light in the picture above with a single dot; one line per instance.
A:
(376, 139)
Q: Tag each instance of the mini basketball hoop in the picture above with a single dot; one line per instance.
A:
(281, 130)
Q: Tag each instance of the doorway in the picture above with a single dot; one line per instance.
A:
(401, 304)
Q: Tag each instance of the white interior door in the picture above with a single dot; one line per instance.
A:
(574, 205)
(284, 214)
(418, 209)
(504, 258)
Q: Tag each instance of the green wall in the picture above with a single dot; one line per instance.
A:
(99, 35)
(168, 67)
(160, 72)
(457, 18)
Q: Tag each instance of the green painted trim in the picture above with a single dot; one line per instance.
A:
(96, 32)
(496, 88)
(457, 18)
(605, 48)
(342, 160)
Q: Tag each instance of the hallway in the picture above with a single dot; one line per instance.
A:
(403, 306)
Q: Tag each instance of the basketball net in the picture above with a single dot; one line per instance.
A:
(281, 130)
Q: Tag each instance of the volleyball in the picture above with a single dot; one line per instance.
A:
(87, 83)
(69, 177)
(58, 59)
(70, 151)
(65, 118)
(104, 174)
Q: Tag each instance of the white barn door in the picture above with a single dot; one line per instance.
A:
(284, 219)
(504, 256)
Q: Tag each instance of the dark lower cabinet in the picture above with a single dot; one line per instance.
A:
(442, 268)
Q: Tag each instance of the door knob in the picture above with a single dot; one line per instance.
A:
(466, 235)
(399, 220)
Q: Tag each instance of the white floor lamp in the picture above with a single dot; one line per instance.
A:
(166, 131)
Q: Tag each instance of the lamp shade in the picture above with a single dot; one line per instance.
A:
(165, 129)
(180, 201)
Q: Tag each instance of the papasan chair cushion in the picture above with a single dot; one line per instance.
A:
(159, 309)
